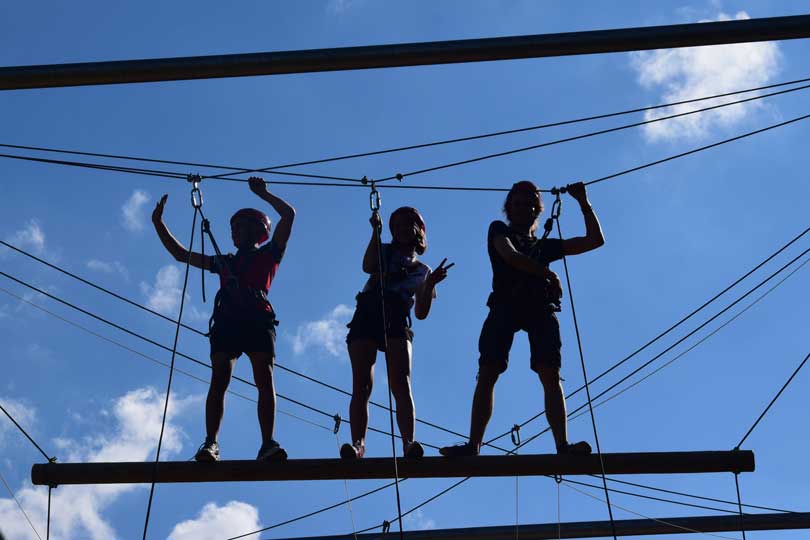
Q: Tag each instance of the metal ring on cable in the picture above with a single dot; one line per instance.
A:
(196, 194)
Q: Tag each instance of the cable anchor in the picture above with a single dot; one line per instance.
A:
(515, 435)
(337, 420)
(196, 194)
(386, 526)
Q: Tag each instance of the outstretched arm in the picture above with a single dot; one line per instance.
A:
(593, 231)
(371, 258)
(425, 292)
(172, 245)
(284, 210)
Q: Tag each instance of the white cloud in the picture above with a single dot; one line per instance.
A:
(76, 511)
(132, 215)
(25, 415)
(686, 73)
(328, 333)
(217, 522)
(164, 295)
(109, 267)
(417, 521)
(30, 237)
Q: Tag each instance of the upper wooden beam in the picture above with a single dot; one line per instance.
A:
(381, 468)
(600, 529)
(405, 54)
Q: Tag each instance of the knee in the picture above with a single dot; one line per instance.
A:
(550, 378)
(362, 388)
(401, 386)
(487, 376)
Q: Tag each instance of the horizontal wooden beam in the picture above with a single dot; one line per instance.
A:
(381, 468)
(596, 529)
(405, 54)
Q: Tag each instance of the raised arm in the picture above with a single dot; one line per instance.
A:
(284, 210)
(593, 231)
(518, 260)
(172, 245)
(371, 258)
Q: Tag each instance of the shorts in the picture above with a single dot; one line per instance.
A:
(367, 322)
(507, 317)
(244, 336)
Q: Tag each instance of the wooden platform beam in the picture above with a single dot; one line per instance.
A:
(596, 529)
(405, 54)
(382, 468)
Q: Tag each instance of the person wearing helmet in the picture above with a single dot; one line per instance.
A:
(243, 320)
(525, 295)
(407, 283)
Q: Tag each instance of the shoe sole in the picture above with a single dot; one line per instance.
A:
(415, 453)
(348, 453)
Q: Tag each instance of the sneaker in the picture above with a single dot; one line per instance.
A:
(355, 450)
(413, 450)
(459, 450)
(271, 451)
(580, 448)
(208, 451)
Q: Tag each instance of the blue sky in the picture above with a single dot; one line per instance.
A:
(676, 234)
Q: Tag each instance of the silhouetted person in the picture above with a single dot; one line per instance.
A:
(525, 295)
(408, 282)
(243, 320)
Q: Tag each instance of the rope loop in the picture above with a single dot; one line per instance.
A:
(515, 435)
(337, 420)
(558, 478)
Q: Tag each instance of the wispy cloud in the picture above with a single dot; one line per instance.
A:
(217, 522)
(685, 73)
(164, 295)
(339, 7)
(78, 512)
(327, 334)
(114, 267)
(24, 414)
(132, 212)
(31, 237)
(417, 521)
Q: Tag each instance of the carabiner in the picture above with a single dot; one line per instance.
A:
(515, 434)
(196, 194)
(374, 198)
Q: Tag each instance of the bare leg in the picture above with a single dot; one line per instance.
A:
(483, 402)
(555, 404)
(399, 380)
(262, 363)
(362, 353)
(222, 367)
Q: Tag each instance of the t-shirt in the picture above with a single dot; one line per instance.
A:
(404, 274)
(508, 281)
(255, 267)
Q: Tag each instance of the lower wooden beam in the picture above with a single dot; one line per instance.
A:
(596, 529)
(381, 468)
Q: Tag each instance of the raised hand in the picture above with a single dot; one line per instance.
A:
(376, 221)
(439, 273)
(577, 191)
(257, 185)
(157, 213)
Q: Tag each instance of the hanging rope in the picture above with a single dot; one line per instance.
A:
(739, 503)
(374, 204)
(556, 218)
(196, 203)
(48, 524)
(558, 481)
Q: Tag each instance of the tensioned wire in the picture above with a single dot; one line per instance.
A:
(363, 182)
(147, 357)
(674, 325)
(239, 170)
(695, 496)
(169, 319)
(20, 506)
(171, 367)
(420, 187)
(530, 439)
(164, 347)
